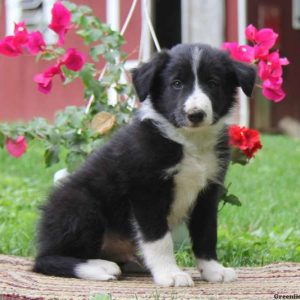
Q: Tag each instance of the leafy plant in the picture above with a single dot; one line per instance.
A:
(75, 131)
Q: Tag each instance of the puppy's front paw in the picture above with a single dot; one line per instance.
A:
(179, 278)
(213, 271)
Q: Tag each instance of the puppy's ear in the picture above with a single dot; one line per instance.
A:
(143, 76)
(246, 76)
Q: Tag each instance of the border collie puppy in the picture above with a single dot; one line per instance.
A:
(166, 167)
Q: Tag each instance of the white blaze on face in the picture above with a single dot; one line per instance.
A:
(198, 100)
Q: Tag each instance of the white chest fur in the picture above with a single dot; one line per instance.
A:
(199, 163)
(198, 166)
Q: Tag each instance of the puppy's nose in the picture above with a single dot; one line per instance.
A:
(197, 116)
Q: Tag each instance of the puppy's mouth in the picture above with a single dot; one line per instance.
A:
(184, 122)
(193, 120)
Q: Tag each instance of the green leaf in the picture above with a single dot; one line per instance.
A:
(51, 155)
(84, 9)
(70, 5)
(96, 51)
(74, 159)
(54, 137)
(232, 199)
(238, 157)
(48, 56)
(2, 139)
(70, 75)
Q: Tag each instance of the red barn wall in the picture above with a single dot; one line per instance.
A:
(19, 98)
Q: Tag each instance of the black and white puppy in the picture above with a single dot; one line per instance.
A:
(166, 167)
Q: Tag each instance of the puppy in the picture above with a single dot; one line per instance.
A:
(164, 168)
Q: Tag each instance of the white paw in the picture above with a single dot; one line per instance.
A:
(213, 271)
(109, 267)
(98, 269)
(174, 279)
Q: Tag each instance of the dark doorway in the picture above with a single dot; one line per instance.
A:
(167, 16)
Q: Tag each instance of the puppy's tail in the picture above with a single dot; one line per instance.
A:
(64, 266)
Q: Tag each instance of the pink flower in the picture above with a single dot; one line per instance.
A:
(266, 38)
(250, 32)
(13, 45)
(260, 52)
(21, 34)
(271, 67)
(61, 20)
(36, 42)
(272, 89)
(73, 60)
(16, 148)
(243, 53)
(44, 80)
(8, 47)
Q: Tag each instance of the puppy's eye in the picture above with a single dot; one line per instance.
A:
(212, 83)
(177, 84)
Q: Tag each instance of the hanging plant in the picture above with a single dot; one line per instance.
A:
(75, 131)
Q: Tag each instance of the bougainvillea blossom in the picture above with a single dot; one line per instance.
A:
(61, 21)
(8, 47)
(20, 33)
(250, 33)
(44, 80)
(269, 62)
(16, 148)
(272, 89)
(13, 45)
(266, 38)
(73, 60)
(36, 42)
(242, 53)
(271, 67)
(247, 140)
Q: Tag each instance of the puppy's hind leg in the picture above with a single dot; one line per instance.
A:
(70, 237)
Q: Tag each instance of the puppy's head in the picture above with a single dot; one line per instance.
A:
(192, 85)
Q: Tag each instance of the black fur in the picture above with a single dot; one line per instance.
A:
(125, 179)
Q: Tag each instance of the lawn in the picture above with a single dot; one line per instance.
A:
(264, 229)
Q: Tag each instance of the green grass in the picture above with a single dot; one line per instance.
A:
(264, 229)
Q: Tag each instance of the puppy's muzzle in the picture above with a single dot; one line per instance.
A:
(197, 116)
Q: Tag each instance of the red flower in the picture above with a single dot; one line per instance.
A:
(247, 140)
(44, 80)
(73, 60)
(61, 20)
(16, 148)
(243, 53)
